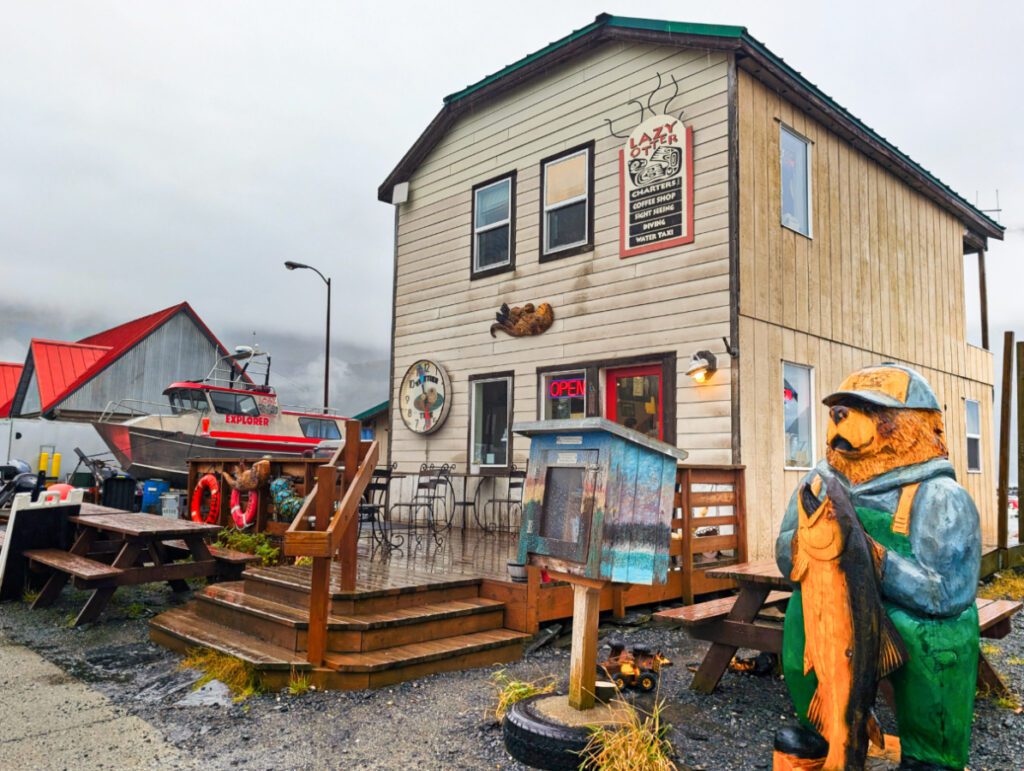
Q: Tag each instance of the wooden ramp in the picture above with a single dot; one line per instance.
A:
(376, 635)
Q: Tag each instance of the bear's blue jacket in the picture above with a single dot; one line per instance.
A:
(945, 534)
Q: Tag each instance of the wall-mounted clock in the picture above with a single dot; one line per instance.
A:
(424, 397)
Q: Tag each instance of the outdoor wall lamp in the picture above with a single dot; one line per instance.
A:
(703, 365)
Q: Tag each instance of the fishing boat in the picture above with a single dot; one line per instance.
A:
(226, 414)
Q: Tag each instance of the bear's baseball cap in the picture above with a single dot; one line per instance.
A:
(887, 385)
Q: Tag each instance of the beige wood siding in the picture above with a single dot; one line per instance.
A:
(672, 300)
(881, 279)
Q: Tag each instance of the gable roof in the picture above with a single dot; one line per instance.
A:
(370, 412)
(751, 55)
(10, 372)
(61, 368)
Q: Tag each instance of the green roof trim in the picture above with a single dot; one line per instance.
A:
(369, 413)
(729, 37)
(604, 20)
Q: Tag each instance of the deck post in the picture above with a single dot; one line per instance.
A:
(1003, 498)
(586, 605)
(347, 551)
(320, 579)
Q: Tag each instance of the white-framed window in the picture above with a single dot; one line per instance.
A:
(491, 420)
(973, 414)
(564, 395)
(798, 415)
(795, 177)
(565, 201)
(493, 207)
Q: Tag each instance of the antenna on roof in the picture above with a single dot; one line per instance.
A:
(996, 211)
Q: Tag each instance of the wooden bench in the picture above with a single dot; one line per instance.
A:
(709, 621)
(711, 610)
(230, 558)
(994, 618)
(83, 569)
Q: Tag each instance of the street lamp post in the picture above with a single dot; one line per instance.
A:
(327, 343)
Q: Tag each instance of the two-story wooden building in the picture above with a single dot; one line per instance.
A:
(679, 196)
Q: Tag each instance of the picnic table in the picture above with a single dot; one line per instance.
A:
(125, 549)
(731, 623)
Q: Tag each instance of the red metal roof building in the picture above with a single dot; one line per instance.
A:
(10, 371)
(135, 361)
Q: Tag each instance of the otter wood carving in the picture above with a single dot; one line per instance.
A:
(248, 479)
(886, 548)
(523, 321)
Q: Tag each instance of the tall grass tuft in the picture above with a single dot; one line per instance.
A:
(240, 677)
(639, 745)
(1008, 585)
(510, 690)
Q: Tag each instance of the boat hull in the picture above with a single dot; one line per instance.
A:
(151, 453)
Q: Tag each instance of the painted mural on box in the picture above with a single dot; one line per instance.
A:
(885, 547)
(655, 180)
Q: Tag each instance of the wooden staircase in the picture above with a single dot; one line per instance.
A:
(375, 636)
(321, 620)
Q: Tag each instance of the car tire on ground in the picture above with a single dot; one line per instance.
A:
(536, 741)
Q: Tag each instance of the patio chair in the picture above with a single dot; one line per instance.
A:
(430, 499)
(374, 510)
(508, 503)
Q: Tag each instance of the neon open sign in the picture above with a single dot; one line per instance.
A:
(566, 388)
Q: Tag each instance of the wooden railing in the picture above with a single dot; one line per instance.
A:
(328, 524)
(694, 502)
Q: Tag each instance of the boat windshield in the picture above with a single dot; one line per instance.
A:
(187, 401)
(319, 429)
(234, 404)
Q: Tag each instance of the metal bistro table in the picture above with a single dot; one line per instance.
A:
(144, 553)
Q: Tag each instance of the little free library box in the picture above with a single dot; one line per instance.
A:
(597, 502)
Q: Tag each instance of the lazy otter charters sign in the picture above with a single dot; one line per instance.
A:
(656, 187)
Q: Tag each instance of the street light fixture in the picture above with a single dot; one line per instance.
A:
(291, 265)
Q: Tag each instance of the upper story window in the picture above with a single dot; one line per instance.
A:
(493, 226)
(796, 181)
(798, 415)
(973, 409)
(566, 203)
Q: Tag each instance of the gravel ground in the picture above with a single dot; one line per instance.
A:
(438, 722)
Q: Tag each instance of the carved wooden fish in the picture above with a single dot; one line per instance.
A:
(850, 643)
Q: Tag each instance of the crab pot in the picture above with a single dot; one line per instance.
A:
(598, 501)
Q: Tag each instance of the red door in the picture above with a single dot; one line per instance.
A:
(633, 398)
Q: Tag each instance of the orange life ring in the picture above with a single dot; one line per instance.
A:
(245, 518)
(207, 483)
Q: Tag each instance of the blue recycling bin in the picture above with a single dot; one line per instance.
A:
(151, 492)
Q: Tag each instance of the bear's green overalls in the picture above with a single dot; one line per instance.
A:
(934, 690)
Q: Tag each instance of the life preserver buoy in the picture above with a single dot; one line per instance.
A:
(243, 519)
(206, 483)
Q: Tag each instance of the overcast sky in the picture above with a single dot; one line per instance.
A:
(158, 152)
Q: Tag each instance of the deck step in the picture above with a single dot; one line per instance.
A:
(289, 584)
(184, 628)
(230, 605)
(422, 653)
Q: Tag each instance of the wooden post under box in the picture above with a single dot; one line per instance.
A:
(597, 508)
